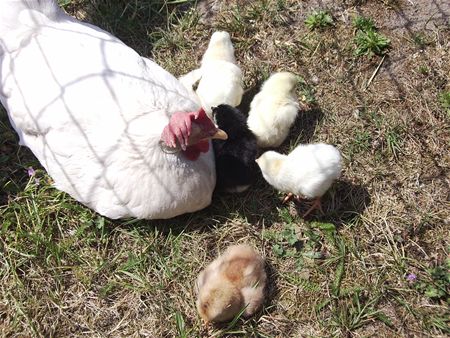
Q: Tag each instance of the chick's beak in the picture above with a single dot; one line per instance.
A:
(219, 135)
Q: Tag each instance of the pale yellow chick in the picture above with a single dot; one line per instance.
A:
(274, 109)
(233, 281)
(221, 77)
(307, 172)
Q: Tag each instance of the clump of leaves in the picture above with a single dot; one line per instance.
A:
(420, 40)
(319, 19)
(286, 242)
(364, 24)
(307, 92)
(438, 287)
(293, 242)
(361, 142)
(368, 41)
(423, 70)
(444, 99)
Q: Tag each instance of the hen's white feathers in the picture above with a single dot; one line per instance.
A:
(92, 111)
(221, 78)
(273, 110)
(308, 171)
(19, 19)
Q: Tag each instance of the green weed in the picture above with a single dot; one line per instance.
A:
(370, 43)
(307, 92)
(318, 19)
(437, 287)
(360, 143)
(363, 24)
(64, 3)
(420, 40)
(444, 99)
(424, 70)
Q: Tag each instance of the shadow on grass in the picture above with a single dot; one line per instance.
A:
(272, 290)
(247, 98)
(342, 204)
(255, 206)
(139, 24)
(306, 124)
(14, 161)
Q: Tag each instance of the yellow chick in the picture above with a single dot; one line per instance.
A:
(273, 110)
(308, 171)
(232, 282)
(221, 77)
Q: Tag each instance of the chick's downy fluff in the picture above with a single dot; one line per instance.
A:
(235, 158)
(308, 171)
(234, 280)
(274, 109)
(220, 77)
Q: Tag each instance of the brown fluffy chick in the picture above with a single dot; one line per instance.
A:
(233, 281)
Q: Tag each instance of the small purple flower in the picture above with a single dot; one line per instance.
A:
(411, 277)
(31, 171)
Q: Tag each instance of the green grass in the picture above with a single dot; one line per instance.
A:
(444, 99)
(66, 271)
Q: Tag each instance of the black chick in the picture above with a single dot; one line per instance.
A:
(235, 157)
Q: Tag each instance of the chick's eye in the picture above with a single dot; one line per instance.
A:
(205, 305)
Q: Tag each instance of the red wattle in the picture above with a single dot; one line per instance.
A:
(193, 152)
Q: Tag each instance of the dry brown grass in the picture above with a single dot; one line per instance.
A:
(68, 272)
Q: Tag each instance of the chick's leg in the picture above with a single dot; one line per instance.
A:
(316, 204)
(287, 198)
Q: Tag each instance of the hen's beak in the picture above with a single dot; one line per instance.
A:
(220, 135)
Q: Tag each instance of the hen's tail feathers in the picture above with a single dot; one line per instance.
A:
(20, 18)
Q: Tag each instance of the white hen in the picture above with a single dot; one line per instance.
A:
(308, 171)
(94, 114)
(220, 77)
(273, 110)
